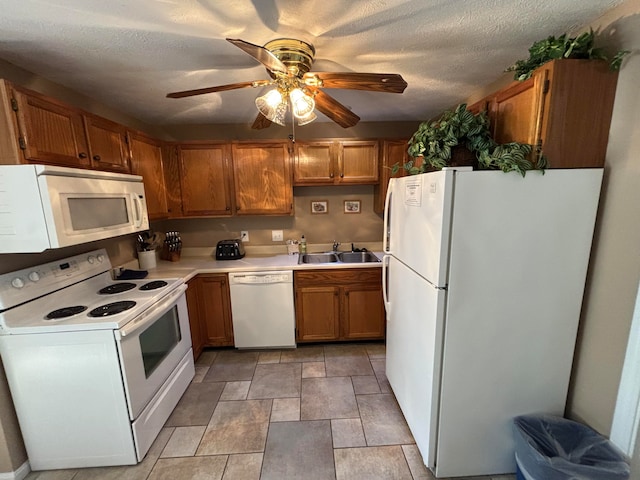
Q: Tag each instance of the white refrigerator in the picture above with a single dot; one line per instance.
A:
(483, 279)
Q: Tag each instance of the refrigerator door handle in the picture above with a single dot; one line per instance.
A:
(385, 280)
(386, 244)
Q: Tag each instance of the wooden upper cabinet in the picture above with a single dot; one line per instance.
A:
(358, 161)
(49, 131)
(336, 162)
(564, 108)
(262, 178)
(314, 163)
(107, 144)
(205, 179)
(146, 160)
(391, 152)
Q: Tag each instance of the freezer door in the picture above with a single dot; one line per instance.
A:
(417, 223)
(414, 338)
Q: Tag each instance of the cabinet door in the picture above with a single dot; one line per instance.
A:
(314, 163)
(317, 313)
(393, 151)
(215, 304)
(50, 132)
(146, 160)
(357, 162)
(205, 180)
(195, 317)
(517, 111)
(262, 179)
(107, 144)
(363, 312)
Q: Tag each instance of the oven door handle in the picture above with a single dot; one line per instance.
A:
(148, 317)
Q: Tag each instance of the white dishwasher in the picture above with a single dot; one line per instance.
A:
(262, 309)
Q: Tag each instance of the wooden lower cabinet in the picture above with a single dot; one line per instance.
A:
(339, 304)
(209, 306)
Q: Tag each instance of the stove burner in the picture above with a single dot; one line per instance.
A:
(65, 312)
(112, 308)
(153, 285)
(117, 288)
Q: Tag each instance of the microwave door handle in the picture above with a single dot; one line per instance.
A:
(150, 316)
(138, 210)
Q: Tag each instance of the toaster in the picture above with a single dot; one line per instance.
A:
(229, 249)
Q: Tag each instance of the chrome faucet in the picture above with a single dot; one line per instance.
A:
(335, 246)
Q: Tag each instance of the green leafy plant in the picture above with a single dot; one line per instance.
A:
(553, 48)
(435, 142)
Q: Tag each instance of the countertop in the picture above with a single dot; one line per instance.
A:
(197, 261)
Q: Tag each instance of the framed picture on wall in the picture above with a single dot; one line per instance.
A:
(352, 206)
(319, 206)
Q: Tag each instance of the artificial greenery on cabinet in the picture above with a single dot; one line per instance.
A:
(435, 144)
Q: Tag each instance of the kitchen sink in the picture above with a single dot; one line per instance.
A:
(357, 257)
(342, 257)
(318, 258)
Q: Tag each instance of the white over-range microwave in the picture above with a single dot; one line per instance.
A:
(44, 206)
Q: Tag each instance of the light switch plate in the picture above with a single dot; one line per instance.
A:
(244, 235)
(277, 235)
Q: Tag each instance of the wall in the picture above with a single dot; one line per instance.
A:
(615, 262)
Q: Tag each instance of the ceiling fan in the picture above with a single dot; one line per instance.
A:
(288, 62)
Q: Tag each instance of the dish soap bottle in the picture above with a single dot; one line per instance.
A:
(303, 245)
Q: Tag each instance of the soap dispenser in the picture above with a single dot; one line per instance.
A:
(303, 245)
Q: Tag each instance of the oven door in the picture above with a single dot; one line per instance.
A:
(151, 346)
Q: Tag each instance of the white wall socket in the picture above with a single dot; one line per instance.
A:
(277, 235)
(244, 235)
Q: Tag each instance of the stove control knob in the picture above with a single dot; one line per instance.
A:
(17, 282)
(34, 276)
(100, 258)
(91, 259)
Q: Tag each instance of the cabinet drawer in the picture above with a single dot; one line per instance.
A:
(345, 276)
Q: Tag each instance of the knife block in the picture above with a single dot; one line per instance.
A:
(172, 256)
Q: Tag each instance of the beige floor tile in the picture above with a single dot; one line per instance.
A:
(196, 405)
(235, 390)
(285, 410)
(272, 356)
(135, 472)
(416, 465)
(245, 466)
(279, 380)
(183, 442)
(365, 384)
(327, 398)
(51, 475)
(376, 350)
(371, 463)
(347, 360)
(201, 371)
(237, 427)
(382, 420)
(302, 354)
(232, 365)
(379, 369)
(313, 370)
(192, 468)
(347, 432)
(298, 450)
(206, 358)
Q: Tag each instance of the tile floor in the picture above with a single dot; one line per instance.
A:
(316, 412)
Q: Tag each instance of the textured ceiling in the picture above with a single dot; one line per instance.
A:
(129, 54)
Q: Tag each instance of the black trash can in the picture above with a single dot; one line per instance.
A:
(554, 448)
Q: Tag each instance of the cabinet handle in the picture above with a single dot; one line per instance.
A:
(237, 209)
(96, 158)
(342, 175)
(331, 175)
(82, 155)
(227, 208)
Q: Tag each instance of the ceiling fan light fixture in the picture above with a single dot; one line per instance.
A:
(273, 106)
(301, 103)
(308, 118)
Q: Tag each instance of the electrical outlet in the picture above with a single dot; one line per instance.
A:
(277, 235)
(244, 235)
